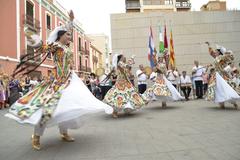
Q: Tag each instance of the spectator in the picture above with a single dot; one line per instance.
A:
(14, 88)
(197, 72)
(2, 94)
(185, 84)
(105, 84)
(131, 76)
(142, 79)
(205, 77)
(172, 76)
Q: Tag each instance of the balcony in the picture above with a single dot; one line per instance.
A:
(89, 69)
(82, 49)
(84, 68)
(87, 52)
(31, 23)
(133, 5)
(95, 59)
(183, 4)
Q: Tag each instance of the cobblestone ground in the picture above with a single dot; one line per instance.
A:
(194, 130)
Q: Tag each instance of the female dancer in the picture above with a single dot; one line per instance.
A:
(60, 101)
(219, 90)
(162, 89)
(123, 96)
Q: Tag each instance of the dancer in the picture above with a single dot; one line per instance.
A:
(219, 90)
(61, 101)
(123, 96)
(162, 89)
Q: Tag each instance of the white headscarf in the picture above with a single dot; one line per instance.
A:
(54, 34)
(114, 60)
(221, 48)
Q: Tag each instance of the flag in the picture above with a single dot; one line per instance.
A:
(166, 55)
(172, 55)
(161, 43)
(151, 48)
(165, 37)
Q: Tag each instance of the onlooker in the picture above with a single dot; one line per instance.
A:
(172, 76)
(197, 72)
(2, 94)
(27, 85)
(142, 79)
(93, 83)
(105, 84)
(14, 88)
(205, 82)
(87, 82)
(131, 76)
(185, 84)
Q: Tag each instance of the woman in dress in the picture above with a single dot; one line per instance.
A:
(219, 89)
(2, 93)
(14, 88)
(123, 96)
(162, 89)
(61, 101)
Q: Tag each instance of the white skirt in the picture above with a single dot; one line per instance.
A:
(223, 91)
(175, 95)
(76, 101)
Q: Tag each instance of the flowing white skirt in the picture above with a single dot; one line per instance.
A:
(224, 92)
(175, 95)
(76, 101)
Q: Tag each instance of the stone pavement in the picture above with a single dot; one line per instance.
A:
(194, 130)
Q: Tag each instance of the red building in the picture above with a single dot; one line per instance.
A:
(39, 17)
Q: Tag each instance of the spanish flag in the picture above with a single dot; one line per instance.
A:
(172, 55)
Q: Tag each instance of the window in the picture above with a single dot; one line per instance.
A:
(168, 2)
(79, 44)
(80, 62)
(85, 47)
(49, 28)
(30, 51)
(48, 22)
(29, 13)
(86, 64)
(29, 9)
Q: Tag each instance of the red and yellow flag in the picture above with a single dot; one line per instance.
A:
(172, 55)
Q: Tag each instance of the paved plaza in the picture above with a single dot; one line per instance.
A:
(194, 130)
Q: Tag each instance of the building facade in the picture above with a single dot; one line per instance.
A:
(214, 5)
(101, 43)
(130, 34)
(157, 5)
(37, 17)
(97, 58)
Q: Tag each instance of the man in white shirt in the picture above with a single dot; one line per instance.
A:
(197, 72)
(172, 76)
(142, 79)
(185, 84)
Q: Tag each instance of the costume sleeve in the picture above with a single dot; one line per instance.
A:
(211, 51)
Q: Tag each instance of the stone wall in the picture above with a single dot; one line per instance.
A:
(190, 30)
